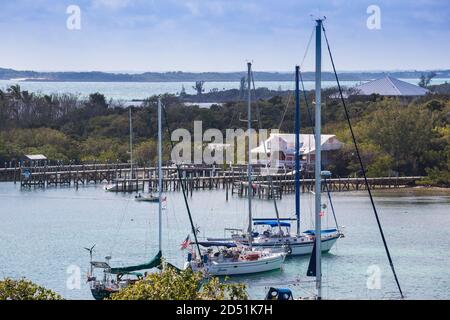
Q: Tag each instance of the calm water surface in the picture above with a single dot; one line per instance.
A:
(127, 91)
(43, 232)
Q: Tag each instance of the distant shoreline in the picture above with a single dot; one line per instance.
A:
(179, 76)
(416, 190)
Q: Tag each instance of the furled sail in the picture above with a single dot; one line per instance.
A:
(155, 262)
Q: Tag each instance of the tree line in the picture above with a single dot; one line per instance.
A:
(396, 136)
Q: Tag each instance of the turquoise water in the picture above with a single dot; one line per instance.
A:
(128, 91)
(43, 232)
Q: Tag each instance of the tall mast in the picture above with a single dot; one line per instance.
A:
(249, 165)
(131, 145)
(318, 166)
(297, 148)
(159, 175)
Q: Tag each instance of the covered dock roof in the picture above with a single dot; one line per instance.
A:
(35, 157)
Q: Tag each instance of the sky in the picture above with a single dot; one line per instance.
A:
(222, 35)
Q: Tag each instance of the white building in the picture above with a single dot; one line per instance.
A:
(285, 144)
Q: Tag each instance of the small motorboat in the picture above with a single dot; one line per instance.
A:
(125, 186)
(146, 198)
(279, 294)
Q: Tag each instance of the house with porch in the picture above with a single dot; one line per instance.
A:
(284, 143)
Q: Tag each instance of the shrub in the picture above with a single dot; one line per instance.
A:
(23, 289)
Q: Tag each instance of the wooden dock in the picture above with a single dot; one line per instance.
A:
(232, 179)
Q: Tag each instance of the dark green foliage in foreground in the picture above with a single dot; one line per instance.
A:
(396, 136)
(441, 88)
(170, 284)
(25, 290)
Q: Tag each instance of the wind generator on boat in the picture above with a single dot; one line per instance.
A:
(116, 278)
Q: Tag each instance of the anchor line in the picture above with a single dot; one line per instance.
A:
(362, 166)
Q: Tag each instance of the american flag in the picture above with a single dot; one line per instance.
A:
(185, 243)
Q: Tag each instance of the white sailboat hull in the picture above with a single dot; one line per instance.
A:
(298, 248)
(133, 187)
(264, 264)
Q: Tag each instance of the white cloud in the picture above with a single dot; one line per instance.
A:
(111, 4)
(215, 7)
(197, 8)
(193, 7)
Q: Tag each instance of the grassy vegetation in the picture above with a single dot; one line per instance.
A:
(170, 284)
(24, 289)
(396, 136)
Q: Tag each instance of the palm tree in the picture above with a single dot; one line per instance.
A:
(15, 92)
(199, 87)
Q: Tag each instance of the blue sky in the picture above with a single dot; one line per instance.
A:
(221, 35)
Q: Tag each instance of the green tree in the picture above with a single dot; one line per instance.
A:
(425, 80)
(403, 132)
(183, 91)
(104, 150)
(97, 100)
(199, 87)
(52, 143)
(110, 126)
(171, 284)
(23, 289)
(145, 152)
(438, 159)
(3, 152)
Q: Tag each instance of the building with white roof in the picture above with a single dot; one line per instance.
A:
(389, 86)
(34, 159)
(285, 144)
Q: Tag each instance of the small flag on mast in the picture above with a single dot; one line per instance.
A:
(185, 244)
(164, 203)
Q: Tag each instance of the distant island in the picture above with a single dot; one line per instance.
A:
(179, 76)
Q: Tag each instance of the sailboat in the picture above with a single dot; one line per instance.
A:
(315, 266)
(130, 184)
(277, 233)
(114, 279)
(315, 263)
(235, 258)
